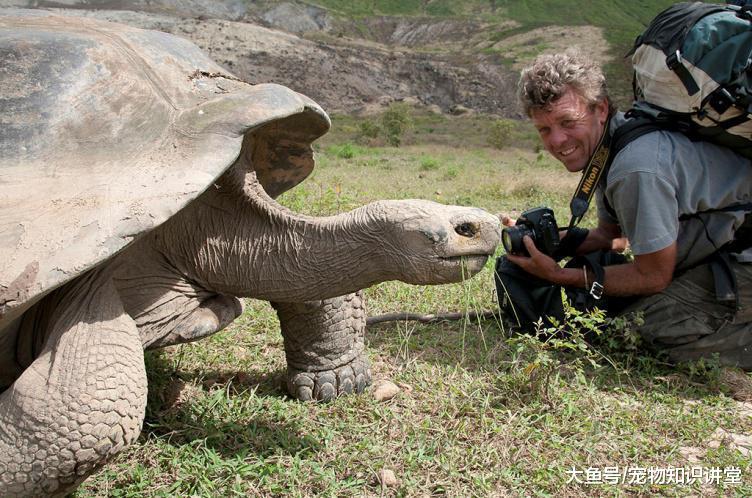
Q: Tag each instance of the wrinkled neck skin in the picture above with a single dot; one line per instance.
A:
(236, 240)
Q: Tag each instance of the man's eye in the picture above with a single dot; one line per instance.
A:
(568, 123)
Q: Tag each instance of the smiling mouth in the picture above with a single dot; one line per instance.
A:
(565, 153)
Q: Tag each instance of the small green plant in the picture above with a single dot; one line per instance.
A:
(428, 163)
(543, 356)
(500, 133)
(451, 173)
(345, 151)
(395, 122)
(368, 131)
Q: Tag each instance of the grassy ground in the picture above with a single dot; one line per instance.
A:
(481, 412)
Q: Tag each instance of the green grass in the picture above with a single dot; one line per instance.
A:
(481, 412)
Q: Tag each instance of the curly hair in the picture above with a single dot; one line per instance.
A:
(551, 75)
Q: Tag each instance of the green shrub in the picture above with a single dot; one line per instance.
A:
(451, 173)
(368, 130)
(345, 151)
(395, 122)
(428, 163)
(500, 133)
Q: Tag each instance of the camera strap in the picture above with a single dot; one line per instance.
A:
(592, 174)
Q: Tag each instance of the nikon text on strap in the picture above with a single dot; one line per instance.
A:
(592, 174)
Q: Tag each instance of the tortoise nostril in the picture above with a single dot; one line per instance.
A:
(465, 229)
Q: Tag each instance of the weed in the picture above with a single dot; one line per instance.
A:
(429, 163)
(451, 173)
(345, 151)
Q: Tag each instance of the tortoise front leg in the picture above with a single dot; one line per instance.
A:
(81, 401)
(324, 344)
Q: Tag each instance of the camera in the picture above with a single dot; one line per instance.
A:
(540, 224)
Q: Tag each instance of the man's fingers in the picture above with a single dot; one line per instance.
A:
(506, 220)
(530, 246)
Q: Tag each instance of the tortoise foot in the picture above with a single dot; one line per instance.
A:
(325, 385)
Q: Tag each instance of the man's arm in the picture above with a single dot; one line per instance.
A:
(606, 236)
(648, 274)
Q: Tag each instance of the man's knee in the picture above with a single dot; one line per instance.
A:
(687, 322)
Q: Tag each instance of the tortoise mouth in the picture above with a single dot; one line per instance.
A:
(473, 262)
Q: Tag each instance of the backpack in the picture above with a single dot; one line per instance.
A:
(692, 73)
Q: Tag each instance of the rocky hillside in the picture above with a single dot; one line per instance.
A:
(348, 63)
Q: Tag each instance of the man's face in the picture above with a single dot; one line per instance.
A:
(570, 128)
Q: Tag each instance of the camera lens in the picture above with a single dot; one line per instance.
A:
(511, 238)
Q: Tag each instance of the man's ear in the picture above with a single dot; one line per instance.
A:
(602, 109)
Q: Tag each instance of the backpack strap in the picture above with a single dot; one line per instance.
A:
(674, 63)
(636, 127)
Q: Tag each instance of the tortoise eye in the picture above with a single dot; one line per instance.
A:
(465, 229)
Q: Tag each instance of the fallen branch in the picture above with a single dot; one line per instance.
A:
(402, 316)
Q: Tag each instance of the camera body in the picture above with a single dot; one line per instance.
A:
(540, 224)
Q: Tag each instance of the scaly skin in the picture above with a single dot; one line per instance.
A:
(127, 188)
(324, 344)
(82, 398)
(81, 401)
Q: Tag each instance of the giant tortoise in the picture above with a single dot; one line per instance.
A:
(137, 180)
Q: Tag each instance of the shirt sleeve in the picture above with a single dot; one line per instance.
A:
(647, 208)
(603, 214)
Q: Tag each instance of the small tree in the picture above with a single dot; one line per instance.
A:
(500, 133)
(395, 121)
(368, 131)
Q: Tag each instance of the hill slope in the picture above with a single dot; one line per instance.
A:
(357, 55)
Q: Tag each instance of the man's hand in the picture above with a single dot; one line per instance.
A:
(538, 264)
(506, 220)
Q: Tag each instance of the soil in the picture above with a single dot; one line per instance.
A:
(348, 66)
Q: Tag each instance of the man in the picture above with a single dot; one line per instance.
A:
(652, 181)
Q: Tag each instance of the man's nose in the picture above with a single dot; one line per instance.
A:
(557, 137)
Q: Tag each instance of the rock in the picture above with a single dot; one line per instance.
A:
(295, 18)
(412, 100)
(459, 109)
(385, 100)
(745, 409)
(384, 390)
(737, 382)
(739, 442)
(434, 109)
(387, 478)
(691, 454)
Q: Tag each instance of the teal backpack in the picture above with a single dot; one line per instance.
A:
(692, 73)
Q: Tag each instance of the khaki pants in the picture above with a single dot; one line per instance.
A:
(688, 323)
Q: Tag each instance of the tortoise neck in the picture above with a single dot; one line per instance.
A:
(269, 252)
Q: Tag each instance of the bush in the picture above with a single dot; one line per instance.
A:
(368, 131)
(395, 121)
(428, 163)
(345, 151)
(451, 173)
(500, 133)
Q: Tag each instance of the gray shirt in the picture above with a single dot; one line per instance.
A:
(662, 175)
